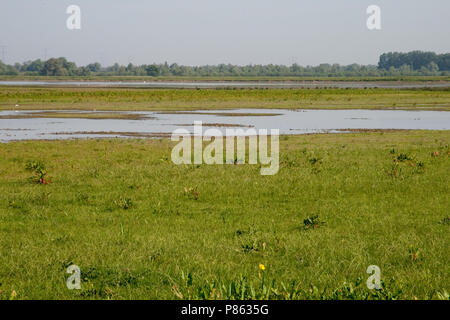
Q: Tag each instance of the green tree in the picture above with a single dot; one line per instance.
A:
(153, 70)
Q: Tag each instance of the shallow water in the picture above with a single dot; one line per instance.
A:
(287, 121)
(231, 84)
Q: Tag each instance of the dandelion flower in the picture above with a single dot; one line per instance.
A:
(262, 267)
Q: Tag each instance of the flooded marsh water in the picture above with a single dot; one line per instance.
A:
(31, 125)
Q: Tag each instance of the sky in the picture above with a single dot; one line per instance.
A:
(200, 32)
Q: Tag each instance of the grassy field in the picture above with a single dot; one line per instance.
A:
(191, 99)
(77, 115)
(141, 227)
(222, 78)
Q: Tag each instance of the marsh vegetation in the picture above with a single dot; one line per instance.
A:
(141, 227)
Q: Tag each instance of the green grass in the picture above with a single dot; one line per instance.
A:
(141, 227)
(222, 78)
(76, 115)
(192, 99)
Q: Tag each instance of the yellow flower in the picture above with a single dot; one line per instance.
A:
(262, 267)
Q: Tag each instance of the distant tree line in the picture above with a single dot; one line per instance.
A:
(415, 60)
(415, 63)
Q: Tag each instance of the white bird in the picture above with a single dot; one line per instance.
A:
(16, 107)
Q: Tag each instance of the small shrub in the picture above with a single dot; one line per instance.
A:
(39, 170)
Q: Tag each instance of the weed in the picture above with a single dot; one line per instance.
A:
(444, 295)
(356, 291)
(396, 170)
(124, 203)
(39, 170)
(100, 282)
(238, 289)
(289, 162)
(414, 253)
(191, 192)
(249, 231)
(314, 160)
(253, 244)
(242, 288)
(405, 165)
(312, 222)
(250, 240)
(404, 157)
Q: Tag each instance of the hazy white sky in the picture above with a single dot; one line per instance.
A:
(197, 32)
